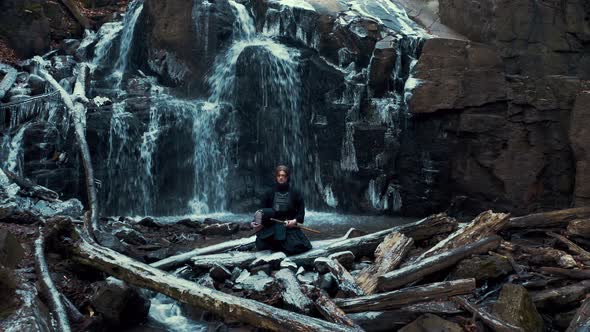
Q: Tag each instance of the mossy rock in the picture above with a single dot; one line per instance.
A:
(482, 267)
(7, 292)
(516, 307)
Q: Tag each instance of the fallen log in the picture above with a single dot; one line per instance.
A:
(555, 298)
(579, 227)
(48, 286)
(407, 296)
(328, 308)
(374, 321)
(490, 320)
(346, 283)
(485, 224)
(177, 260)
(238, 244)
(77, 111)
(73, 9)
(182, 290)
(293, 296)
(388, 255)
(568, 273)
(365, 245)
(545, 256)
(571, 246)
(429, 265)
(581, 320)
(560, 218)
(229, 259)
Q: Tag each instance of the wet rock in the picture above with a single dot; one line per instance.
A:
(11, 251)
(119, 304)
(346, 258)
(62, 66)
(130, 236)
(516, 307)
(220, 229)
(382, 66)
(72, 208)
(149, 222)
(272, 260)
(328, 283)
(258, 283)
(482, 267)
(206, 281)
(25, 26)
(37, 84)
(219, 273)
(430, 322)
(288, 264)
(308, 278)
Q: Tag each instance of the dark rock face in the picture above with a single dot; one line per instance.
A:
(533, 38)
(11, 251)
(500, 141)
(580, 136)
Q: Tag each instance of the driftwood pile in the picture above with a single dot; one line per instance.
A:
(494, 273)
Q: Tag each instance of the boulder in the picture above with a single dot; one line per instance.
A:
(482, 267)
(119, 304)
(516, 307)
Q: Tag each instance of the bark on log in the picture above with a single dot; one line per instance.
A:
(405, 275)
(51, 291)
(579, 227)
(484, 225)
(546, 256)
(571, 246)
(346, 283)
(554, 298)
(581, 321)
(568, 273)
(230, 259)
(225, 305)
(490, 320)
(78, 112)
(407, 296)
(388, 255)
(559, 218)
(328, 308)
(293, 296)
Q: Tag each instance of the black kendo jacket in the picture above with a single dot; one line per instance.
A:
(286, 202)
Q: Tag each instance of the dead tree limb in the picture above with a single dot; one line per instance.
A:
(77, 111)
(52, 293)
(32, 189)
(485, 224)
(571, 246)
(559, 218)
(407, 296)
(388, 255)
(568, 273)
(73, 9)
(10, 75)
(225, 305)
(429, 265)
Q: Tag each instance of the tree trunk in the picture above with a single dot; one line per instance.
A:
(73, 9)
(10, 75)
(346, 283)
(328, 308)
(32, 189)
(558, 297)
(78, 112)
(545, 256)
(559, 218)
(579, 227)
(413, 272)
(224, 305)
(568, 273)
(388, 255)
(407, 296)
(571, 246)
(48, 286)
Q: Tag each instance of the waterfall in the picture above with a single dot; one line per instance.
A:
(13, 161)
(129, 23)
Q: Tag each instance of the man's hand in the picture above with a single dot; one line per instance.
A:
(291, 223)
(256, 226)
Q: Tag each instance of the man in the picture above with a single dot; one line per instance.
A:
(286, 204)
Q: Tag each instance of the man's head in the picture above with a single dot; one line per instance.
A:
(282, 174)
